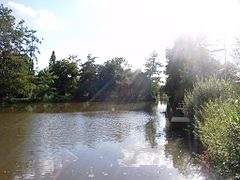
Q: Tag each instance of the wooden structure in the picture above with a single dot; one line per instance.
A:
(177, 118)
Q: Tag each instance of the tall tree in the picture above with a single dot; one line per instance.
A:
(188, 59)
(152, 67)
(67, 73)
(102, 82)
(137, 88)
(45, 80)
(113, 76)
(153, 72)
(52, 59)
(88, 79)
(18, 49)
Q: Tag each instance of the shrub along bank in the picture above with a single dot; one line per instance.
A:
(215, 108)
(220, 134)
(205, 91)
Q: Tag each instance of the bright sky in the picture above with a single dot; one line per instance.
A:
(124, 28)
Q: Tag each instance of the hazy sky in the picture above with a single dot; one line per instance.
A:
(125, 28)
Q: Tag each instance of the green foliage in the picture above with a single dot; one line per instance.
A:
(113, 76)
(153, 72)
(88, 83)
(220, 134)
(66, 72)
(215, 108)
(18, 48)
(63, 79)
(52, 59)
(137, 88)
(114, 81)
(188, 60)
(16, 38)
(152, 68)
(45, 85)
(102, 82)
(205, 91)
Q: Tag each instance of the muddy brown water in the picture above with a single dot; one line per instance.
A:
(93, 141)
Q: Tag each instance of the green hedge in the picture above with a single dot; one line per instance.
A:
(205, 91)
(220, 134)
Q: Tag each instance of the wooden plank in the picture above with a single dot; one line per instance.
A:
(180, 119)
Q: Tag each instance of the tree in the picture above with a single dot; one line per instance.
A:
(45, 80)
(17, 38)
(102, 82)
(188, 60)
(88, 79)
(152, 67)
(18, 49)
(153, 72)
(52, 59)
(113, 75)
(137, 88)
(67, 73)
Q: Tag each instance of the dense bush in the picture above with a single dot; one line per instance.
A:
(216, 110)
(205, 91)
(220, 135)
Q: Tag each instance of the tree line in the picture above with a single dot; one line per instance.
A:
(84, 80)
(70, 78)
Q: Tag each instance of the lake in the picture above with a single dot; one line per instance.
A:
(93, 141)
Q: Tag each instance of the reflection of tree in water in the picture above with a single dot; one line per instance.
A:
(155, 126)
(150, 132)
(79, 107)
(150, 108)
(179, 148)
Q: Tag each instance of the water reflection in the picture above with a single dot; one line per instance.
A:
(75, 107)
(149, 149)
(180, 148)
(150, 132)
(96, 143)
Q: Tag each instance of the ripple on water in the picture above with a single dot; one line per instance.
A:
(133, 144)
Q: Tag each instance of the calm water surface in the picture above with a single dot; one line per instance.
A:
(93, 141)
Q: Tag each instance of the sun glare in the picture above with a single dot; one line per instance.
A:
(214, 18)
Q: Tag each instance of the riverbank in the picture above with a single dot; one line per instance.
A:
(76, 107)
